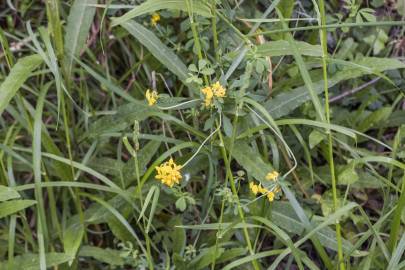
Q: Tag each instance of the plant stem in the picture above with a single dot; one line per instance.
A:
(138, 178)
(330, 26)
(330, 143)
(195, 36)
(396, 221)
(235, 193)
(214, 29)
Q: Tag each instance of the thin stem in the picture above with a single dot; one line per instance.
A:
(214, 29)
(204, 142)
(235, 193)
(178, 105)
(331, 26)
(195, 35)
(323, 36)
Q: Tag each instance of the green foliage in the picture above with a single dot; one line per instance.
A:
(311, 89)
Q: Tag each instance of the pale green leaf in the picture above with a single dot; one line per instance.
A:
(150, 6)
(162, 53)
(11, 207)
(79, 21)
(30, 261)
(285, 102)
(282, 47)
(109, 256)
(18, 75)
(7, 193)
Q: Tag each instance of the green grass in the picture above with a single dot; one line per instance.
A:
(314, 91)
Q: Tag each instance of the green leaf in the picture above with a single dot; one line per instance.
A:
(348, 176)
(283, 47)
(303, 70)
(18, 75)
(397, 254)
(157, 49)
(125, 116)
(178, 235)
(145, 155)
(72, 239)
(7, 193)
(375, 118)
(30, 261)
(285, 102)
(109, 256)
(231, 254)
(284, 216)
(206, 257)
(150, 6)
(155, 192)
(249, 159)
(79, 22)
(11, 207)
(315, 137)
(181, 204)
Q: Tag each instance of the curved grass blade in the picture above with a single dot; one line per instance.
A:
(21, 71)
(78, 25)
(283, 47)
(119, 217)
(155, 5)
(42, 229)
(161, 52)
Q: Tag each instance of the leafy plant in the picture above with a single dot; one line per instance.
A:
(212, 134)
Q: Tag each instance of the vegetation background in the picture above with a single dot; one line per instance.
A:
(314, 91)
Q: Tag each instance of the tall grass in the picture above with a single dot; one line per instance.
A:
(208, 134)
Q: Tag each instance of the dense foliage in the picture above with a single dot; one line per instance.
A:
(202, 134)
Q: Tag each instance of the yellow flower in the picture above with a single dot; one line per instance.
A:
(218, 89)
(254, 188)
(215, 90)
(270, 196)
(272, 176)
(269, 193)
(151, 97)
(262, 190)
(209, 94)
(169, 173)
(154, 19)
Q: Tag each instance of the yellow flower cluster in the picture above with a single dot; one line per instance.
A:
(154, 19)
(169, 173)
(272, 176)
(151, 97)
(215, 90)
(259, 189)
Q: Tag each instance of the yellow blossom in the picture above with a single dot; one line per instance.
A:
(215, 90)
(270, 196)
(151, 97)
(269, 193)
(254, 188)
(154, 19)
(169, 173)
(209, 94)
(218, 89)
(272, 176)
(262, 190)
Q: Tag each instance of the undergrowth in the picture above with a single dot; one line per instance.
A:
(202, 134)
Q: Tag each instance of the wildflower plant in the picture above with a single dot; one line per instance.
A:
(169, 173)
(258, 113)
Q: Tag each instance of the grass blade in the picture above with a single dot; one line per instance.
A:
(155, 5)
(162, 53)
(79, 21)
(18, 75)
